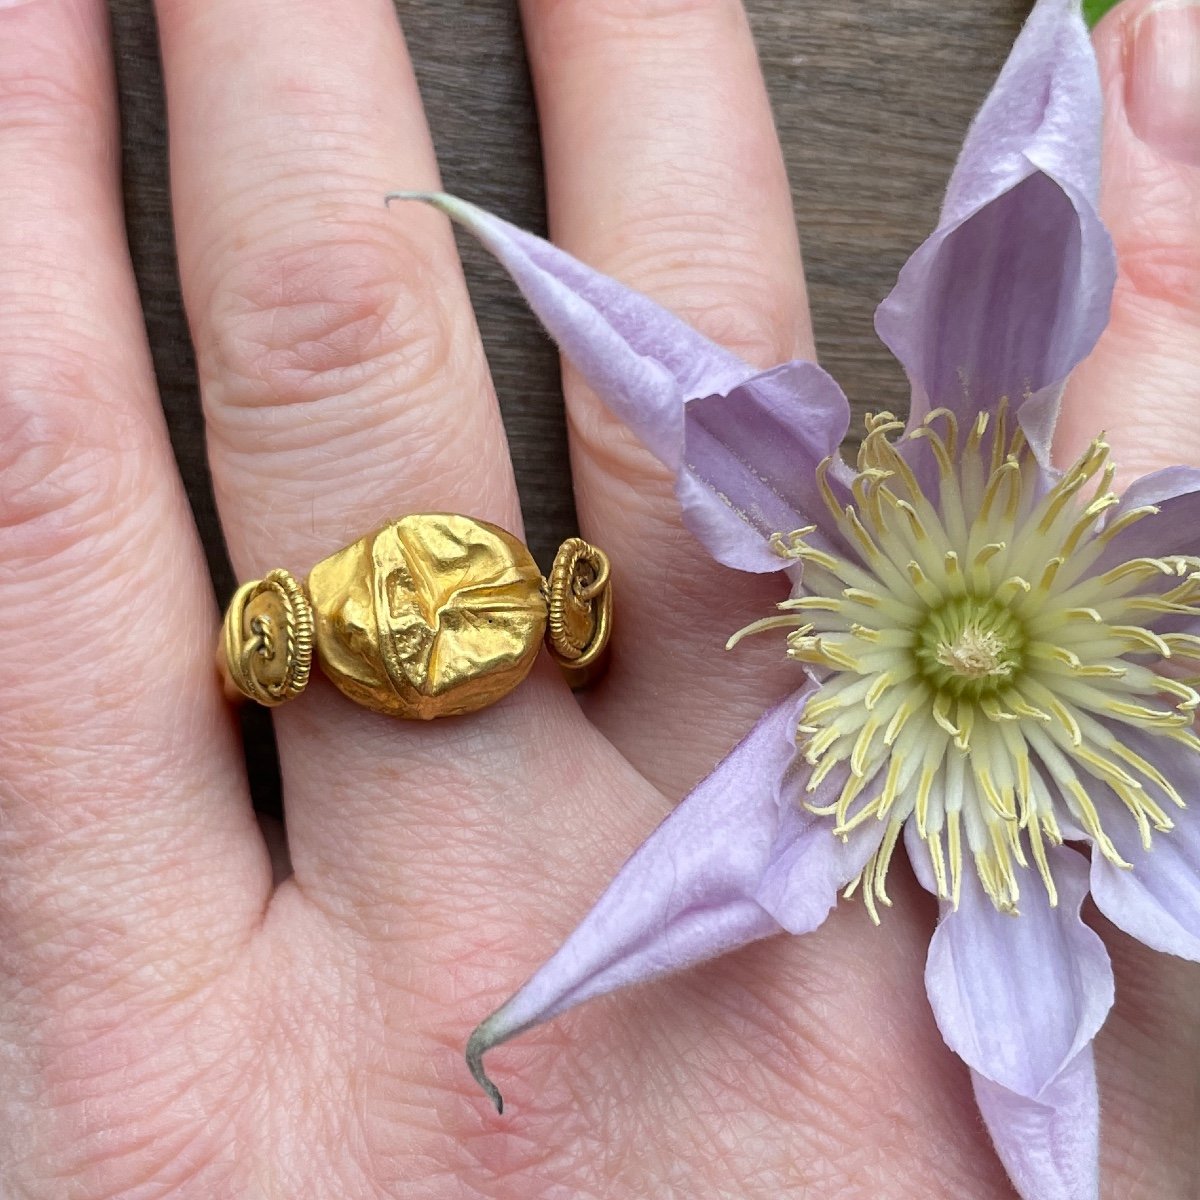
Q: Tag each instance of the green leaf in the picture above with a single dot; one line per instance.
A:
(1093, 10)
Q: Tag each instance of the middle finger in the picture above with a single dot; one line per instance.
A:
(663, 169)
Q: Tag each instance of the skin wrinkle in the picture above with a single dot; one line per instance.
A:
(61, 833)
(300, 322)
(710, 275)
(61, 767)
(272, 469)
(56, 458)
(823, 1017)
(633, 16)
(1160, 265)
(140, 1095)
(573, 24)
(641, 485)
(41, 101)
(448, 833)
(1134, 323)
(118, 943)
(351, 424)
(37, 289)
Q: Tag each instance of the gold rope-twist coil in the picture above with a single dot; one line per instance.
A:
(268, 639)
(579, 594)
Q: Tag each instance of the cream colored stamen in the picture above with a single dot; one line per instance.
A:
(979, 657)
(975, 653)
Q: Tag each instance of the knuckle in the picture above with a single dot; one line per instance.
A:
(1162, 274)
(39, 94)
(634, 479)
(319, 318)
(718, 278)
(745, 316)
(593, 32)
(1158, 251)
(63, 454)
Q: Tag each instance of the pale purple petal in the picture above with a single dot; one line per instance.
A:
(642, 360)
(736, 861)
(1158, 901)
(1175, 529)
(1013, 288)
(808, 865)
(648, 367)
(1049, 1146)
(757, 448)
(919, 858)
(1019, 999)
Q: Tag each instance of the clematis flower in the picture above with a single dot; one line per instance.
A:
(991, 653)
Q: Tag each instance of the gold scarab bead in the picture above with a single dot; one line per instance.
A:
(432, 615)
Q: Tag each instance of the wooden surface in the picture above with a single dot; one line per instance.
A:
(871, 100)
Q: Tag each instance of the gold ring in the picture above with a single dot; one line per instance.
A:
(432, 615)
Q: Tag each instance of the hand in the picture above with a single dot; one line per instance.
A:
(173, 1020)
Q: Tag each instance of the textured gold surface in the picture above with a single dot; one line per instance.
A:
(433, 615)
(267, 641)
(580, 600)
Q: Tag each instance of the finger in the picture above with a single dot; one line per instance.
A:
(1142, 382)
(663, 169)
(341, 370)
(122, 802)
(1147, 1071)
(343, 381)
(1141, 385)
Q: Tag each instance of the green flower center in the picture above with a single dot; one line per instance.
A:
(969, 646)
(983, 668)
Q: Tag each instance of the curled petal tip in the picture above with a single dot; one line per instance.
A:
(450, 205)
(479, 1043)
(405, 195)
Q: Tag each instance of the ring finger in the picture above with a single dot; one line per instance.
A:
(342, 375)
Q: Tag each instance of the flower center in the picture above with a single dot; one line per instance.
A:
(969, 646)
(987, 670)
